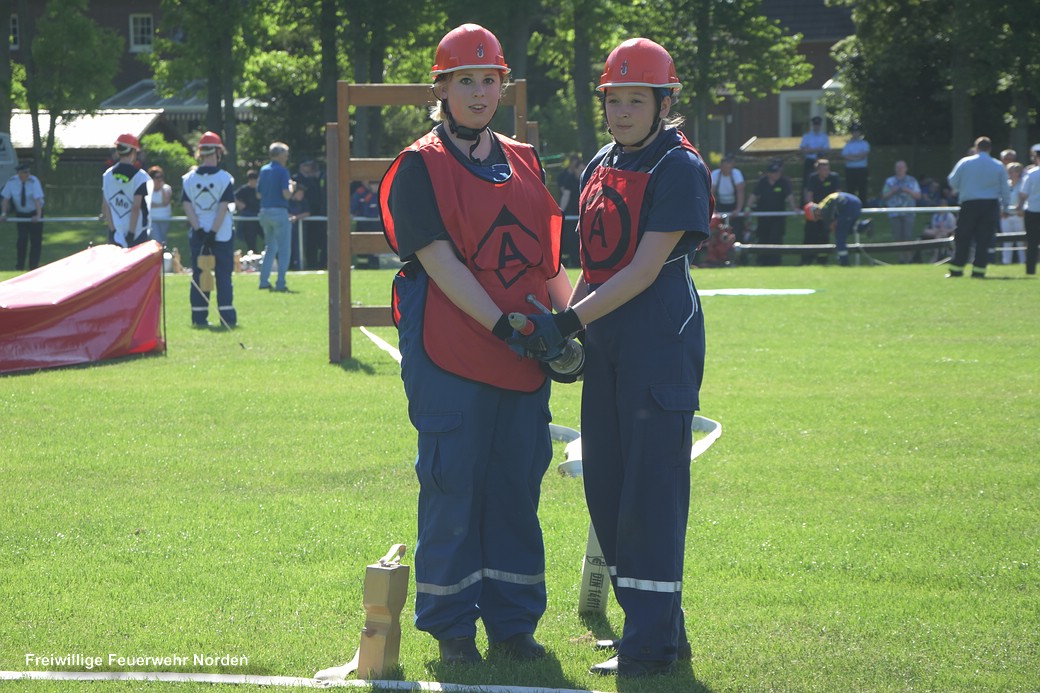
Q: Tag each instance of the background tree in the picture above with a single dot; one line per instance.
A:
(1017, 33)
(7, 8)
(722, 47)
(286, 68)
(893, 73)
(70, 65)
(207, 38)
(926, 73)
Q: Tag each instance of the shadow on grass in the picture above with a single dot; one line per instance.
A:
(682, 679)
(355, 366)
(1011, 279)
(599, 626)
(498, 670)
(89, 364)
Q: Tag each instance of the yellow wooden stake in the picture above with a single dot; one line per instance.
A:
(386, 589)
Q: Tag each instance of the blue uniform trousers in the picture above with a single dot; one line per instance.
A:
(482, 453)
(224, 253)
(643, 369)
(848, 214)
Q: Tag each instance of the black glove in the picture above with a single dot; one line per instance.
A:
(502, 329)
(208, 239)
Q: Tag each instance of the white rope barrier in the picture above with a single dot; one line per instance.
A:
(283, 681)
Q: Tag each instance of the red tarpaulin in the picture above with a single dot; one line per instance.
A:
(102, 303)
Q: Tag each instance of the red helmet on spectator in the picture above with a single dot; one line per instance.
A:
(639, 62)
(467, 47)
(128, 141)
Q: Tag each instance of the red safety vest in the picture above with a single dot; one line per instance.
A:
(608, 227)
(508, 235)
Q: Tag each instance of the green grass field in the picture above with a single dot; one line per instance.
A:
(867, 522)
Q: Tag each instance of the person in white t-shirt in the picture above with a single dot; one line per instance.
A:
(159, 199)
(123, 190)
(728, 188)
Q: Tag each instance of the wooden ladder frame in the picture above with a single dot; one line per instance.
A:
(343, 244)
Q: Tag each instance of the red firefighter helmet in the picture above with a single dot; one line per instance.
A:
(210, 140)
(468, 47)
(128, 141)
(810, 211)
(639, 62)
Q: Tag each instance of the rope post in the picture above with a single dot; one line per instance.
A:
(332, 195)
(343, 189)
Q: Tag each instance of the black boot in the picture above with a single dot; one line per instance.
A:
(522, 646)
(460, 651)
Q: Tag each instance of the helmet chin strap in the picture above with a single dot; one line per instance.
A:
(463, 132)
(653, 127)
(653, 131)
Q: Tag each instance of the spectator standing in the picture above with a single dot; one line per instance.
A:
(364, 206)
(729, 190)
(276, 187)
(315, 231)
(299, 209)
(24, 194)
(1034, 160)
(855, 152)
(247, 204)
(840, 211)
(900, 191)
(982, 186)
(568, 182)
(364, 210)
(208, 193)
(930, 193)
(1029, 202)
(468, 211)
(814, 144)
(772, 193)
(822, 183)
(1013, 221)
(124, 187)
(160, 199)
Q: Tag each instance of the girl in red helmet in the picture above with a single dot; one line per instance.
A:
(645, 204)
(468, 211)
(123, 191)
(208, 192)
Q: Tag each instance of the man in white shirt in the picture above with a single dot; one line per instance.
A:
(24, 193)
(981, 183)
(1029, 202)
(855, 153)
(815, 144)
(728, 188)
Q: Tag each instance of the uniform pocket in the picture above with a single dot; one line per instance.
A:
(438, 443)
(665, 433)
